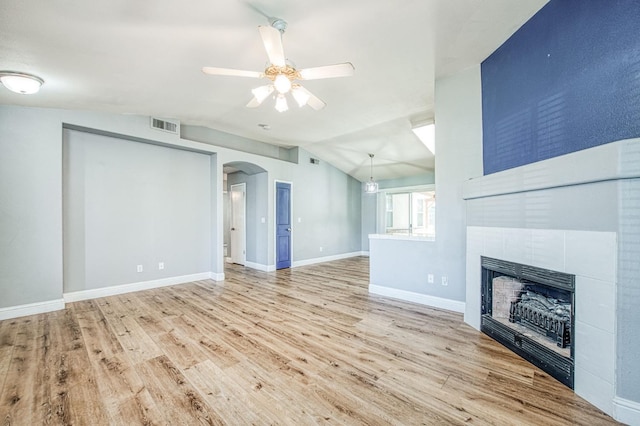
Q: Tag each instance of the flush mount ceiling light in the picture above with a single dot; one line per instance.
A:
(19, 82)
(371, 187)
(283, 75)
(426, 132)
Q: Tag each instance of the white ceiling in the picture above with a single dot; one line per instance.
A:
(145, 57)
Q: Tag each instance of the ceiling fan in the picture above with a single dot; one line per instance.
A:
(282, 73)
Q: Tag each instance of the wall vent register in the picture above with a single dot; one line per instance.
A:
(165, 125)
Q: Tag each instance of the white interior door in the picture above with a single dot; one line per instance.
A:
(238, 224)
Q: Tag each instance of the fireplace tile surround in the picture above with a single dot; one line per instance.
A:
(570, 214)
(594, 339)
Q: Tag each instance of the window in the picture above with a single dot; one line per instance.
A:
(410, 212)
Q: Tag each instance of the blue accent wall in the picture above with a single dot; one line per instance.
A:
(567, 80)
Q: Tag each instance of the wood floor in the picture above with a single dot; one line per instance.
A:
(301, 346)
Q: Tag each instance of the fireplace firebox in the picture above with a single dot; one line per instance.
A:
(530, 310)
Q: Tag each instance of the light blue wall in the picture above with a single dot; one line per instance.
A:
(326, 211)
(405, 265)
(30, 207)
(31, 171)
(129, 203)
(458, 143)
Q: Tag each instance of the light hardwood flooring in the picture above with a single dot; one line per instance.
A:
(301, 346)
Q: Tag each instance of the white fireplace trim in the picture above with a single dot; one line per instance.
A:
(612, 161)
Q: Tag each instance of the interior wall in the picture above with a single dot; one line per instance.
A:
(326, 210)
(31, 168)
(130, 203)
(628, 297)
(30, 207)
(459, 145)
(567, 80)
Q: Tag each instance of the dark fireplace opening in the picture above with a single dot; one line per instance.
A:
(530, 310)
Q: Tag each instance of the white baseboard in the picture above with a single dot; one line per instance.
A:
(626, 411)
(258, 266)
(423, 299)
(216, 276)
(31, 309)
(306, 262)
(76, 296)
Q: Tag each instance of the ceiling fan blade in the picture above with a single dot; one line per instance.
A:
(231, 72)
(272, 40)
(329, 71)
(254, 103)
(313, 101)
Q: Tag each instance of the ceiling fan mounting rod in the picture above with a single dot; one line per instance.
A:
(279, 24)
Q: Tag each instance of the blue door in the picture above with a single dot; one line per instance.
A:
(283, 225)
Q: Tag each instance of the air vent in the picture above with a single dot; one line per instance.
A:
(166, 125)
(314, 161)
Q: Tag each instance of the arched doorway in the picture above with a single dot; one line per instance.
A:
(245, 214)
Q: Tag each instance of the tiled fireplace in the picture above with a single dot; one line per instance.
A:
(530, 310)
(578, 214)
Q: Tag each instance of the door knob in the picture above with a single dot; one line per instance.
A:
(233, 229)
(289, 229)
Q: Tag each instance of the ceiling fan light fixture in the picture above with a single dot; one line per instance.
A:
(262, 92)
(281, 103)
(300, 96)
(282, 83)
(18, 82)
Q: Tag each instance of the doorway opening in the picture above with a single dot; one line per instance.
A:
(245, 214)
(238, 219)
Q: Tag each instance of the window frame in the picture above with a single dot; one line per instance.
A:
(383, 212)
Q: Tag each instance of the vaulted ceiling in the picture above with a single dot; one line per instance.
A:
(145, 57)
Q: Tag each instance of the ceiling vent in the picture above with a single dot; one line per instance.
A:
(169, 126)
(314, 161)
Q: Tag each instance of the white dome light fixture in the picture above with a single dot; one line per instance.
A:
(19, 82)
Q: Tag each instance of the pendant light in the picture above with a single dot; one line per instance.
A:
(371, 187)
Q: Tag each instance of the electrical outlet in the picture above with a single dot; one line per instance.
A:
(263, 220)
(445, 280)
(430, 278)
(321, 249)
(140, 268)
(161, 265)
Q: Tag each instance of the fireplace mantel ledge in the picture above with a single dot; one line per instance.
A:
(612, 161)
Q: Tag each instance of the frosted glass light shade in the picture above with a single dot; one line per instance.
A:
(371, 187)
(262, 92)
(282, 83)
(281, 103)
(25, 84)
